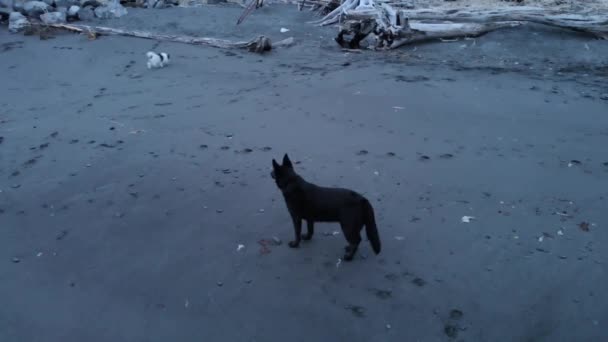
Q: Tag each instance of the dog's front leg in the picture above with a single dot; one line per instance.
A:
(297, 226)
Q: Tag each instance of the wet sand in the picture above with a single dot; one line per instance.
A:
(125, 191)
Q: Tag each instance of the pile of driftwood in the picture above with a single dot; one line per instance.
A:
(393, 25)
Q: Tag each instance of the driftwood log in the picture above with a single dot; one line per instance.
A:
(394, 26)
(594, 23)
(392, 29)
(259, 44)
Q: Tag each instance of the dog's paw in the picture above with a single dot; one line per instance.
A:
(294, 244)
(306, 237)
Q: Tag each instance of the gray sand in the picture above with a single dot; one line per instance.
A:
(124, 224)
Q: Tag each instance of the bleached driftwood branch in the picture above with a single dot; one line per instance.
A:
(258, 44)
(595, 23)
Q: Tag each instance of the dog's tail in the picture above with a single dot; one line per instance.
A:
(370, 227)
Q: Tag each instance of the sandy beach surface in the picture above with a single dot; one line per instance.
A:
(125, 192)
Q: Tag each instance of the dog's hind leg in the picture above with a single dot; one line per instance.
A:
(351, 228)
(310, 230)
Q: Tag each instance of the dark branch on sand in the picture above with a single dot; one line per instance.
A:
(259, 44)
(254, 4)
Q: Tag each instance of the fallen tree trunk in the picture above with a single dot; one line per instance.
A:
(421, 32)
(414, 32)
(259, 44)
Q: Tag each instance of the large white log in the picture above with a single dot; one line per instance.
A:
(595, 23)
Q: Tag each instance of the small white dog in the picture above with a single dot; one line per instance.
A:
(157, 60)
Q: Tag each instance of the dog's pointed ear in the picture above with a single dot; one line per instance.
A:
(287, 162)
(275, 165)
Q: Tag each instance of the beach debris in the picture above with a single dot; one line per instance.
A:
(186, 303)
(584, 226)
(283, 30)
(560, 232)
(574, 162)
(338, 262)
(376, 173)
(259, 44)
(39, 254)
(239, 247)
(16, 260)
(467, 219)
(541, 238)
(219, 284)
(399, 238)
(395, 23)
(276, 241)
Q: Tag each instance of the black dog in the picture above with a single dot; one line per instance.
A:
(306, 201)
